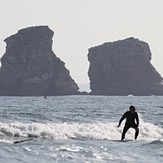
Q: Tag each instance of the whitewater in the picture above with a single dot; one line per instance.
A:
(79, 129)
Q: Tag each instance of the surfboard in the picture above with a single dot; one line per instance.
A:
(121, 140)
(21, 141)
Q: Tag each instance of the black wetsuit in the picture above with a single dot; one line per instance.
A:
(130, 122)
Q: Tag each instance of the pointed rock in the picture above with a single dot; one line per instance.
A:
(29, 66)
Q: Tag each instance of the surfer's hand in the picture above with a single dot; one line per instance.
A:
(118, 125)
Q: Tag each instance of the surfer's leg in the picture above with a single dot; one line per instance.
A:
(125, 129)
(136, 132)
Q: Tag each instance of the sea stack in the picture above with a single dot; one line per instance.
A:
(123, 68)
(30, 68)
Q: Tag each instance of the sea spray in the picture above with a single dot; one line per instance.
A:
(61, 131)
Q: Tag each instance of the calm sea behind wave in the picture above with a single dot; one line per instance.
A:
(79, 129)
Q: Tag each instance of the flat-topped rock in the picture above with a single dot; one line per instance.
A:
(122, 68)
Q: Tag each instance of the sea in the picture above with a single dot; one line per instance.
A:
(79, 129)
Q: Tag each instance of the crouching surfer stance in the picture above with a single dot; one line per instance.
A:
(130, 116)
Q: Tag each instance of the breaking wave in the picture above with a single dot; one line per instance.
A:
(93, 131)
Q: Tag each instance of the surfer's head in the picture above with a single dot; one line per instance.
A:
(132, 109)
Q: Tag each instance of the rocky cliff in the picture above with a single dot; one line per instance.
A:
(123, 68)
(29, 66)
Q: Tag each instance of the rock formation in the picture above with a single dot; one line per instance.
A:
(29, 66)
(123, 68)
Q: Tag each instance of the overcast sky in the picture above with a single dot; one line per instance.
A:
(81, 24)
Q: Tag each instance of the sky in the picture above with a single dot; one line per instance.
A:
(81, 24)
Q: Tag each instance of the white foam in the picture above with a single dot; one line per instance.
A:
(98, 131)
(4, 141)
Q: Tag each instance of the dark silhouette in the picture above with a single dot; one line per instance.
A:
(130, 122)
(123, 67)
(31, 68)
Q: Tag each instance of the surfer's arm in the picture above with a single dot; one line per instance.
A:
(123, 117)
(137, 119)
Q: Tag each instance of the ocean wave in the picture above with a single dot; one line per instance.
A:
(82, 131)
(157, 142)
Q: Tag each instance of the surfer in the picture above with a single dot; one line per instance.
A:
(130, 116)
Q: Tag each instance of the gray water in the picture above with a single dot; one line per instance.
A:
(79, 129)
